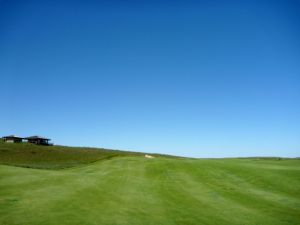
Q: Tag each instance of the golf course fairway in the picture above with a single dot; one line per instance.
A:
(135, 190)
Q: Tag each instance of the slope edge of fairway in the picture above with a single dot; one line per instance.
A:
(57, 157)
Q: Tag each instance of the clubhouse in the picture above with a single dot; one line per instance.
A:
(38, 140)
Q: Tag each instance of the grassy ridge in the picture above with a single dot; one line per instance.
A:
(53, 157)
(133, 190)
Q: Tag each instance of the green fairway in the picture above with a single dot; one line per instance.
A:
(134, 190)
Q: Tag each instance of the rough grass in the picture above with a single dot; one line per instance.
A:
(53, 157)
(134, 190)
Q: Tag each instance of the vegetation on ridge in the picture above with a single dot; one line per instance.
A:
(53, 157)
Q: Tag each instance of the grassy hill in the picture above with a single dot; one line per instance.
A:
(127, 188)
(55, 157)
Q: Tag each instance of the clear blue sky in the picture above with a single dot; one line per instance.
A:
(192, 78)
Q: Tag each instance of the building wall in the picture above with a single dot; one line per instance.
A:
(32, 141)
(38, 141)
(8, 140)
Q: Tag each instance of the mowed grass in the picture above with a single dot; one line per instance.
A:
(134, 190)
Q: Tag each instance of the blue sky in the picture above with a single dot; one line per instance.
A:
(191, 78)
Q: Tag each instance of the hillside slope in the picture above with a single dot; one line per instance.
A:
(54, 157)
(135, 190)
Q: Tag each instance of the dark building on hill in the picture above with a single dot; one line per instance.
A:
(12, 139)
(38, 140)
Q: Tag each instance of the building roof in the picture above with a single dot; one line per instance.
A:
(37, 137)
(12, 136)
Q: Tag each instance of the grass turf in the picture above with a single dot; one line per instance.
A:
(53, 157)
(135, 190)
